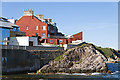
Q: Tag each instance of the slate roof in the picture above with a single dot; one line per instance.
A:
(6, 24)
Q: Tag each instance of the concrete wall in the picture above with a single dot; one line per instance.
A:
(22, 41)
(16, 61)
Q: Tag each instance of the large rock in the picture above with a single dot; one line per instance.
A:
(84, 58)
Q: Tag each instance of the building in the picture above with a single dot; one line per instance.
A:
(76, 38)
(15, 33)
(12, 20)
(36, 25)
(57, 40)
(44, 29)
(23, 41)
(5, 28)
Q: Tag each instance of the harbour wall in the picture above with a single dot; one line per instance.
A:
(18, 60)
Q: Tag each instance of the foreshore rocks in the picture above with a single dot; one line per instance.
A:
(85, 58)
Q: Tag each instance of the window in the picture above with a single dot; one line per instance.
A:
(48, 28)
(48, 35)
(61, 41)
(52, 31)
(36, 34)
(44, 28)
(26, 27)
(51, 40)
(14, 29)
(36, 27)
(17, 29)
(43, 35)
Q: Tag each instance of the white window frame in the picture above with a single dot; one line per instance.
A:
(43, 27)
(27, 28)
(36, 27)
(44, 36)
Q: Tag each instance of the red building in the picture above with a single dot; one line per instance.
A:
(63, 40)
(77, 36)
(44, 29)
(32, 26)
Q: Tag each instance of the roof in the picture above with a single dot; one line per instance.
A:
(77, 33)
(6, 24)
(58, 37)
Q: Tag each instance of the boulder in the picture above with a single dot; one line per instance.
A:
(84, 58)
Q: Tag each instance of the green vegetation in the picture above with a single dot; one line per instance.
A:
(59, 57)
(86, 44)
(108, 52)
(54, 43)
(79, 62)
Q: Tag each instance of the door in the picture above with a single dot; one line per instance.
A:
(57, 42)
(30, 43)
(66, 41)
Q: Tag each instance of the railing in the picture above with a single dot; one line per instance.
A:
(31, 47)
(57, 37)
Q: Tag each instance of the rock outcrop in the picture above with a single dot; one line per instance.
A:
(85, 58)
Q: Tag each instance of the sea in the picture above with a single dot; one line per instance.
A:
(114, 67)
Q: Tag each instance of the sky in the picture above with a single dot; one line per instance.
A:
(97, 20)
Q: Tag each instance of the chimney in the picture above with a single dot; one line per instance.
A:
(40, 16)
(27, 12)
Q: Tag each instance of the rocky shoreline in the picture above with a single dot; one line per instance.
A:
(83, 59)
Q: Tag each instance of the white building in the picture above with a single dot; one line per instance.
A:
(23, 41)
(12, 21)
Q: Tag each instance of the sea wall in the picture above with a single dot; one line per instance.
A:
(31, 47)
(18, 60)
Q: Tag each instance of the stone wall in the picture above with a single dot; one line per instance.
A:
(16, 60)
(46, 55)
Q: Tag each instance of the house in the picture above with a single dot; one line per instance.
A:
(35, 26)
(76, 38)
(23, 41)
(56, 40)
(44, 29)
(5, 28)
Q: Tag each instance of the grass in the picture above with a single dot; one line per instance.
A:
(59, 57)
(83, 45)
(79, 62)
(108, 52)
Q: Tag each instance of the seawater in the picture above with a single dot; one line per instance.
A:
(114, 67)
